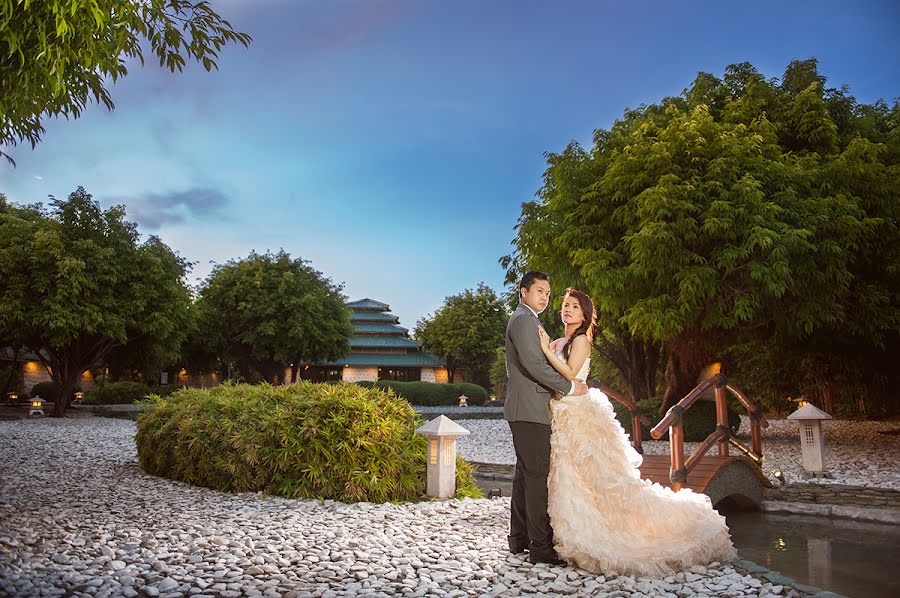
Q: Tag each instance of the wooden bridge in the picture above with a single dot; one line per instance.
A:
(720, 476)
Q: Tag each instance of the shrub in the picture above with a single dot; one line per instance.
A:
(117, 393)
(431, 394)
(699, 420)
(46, 390)
(305, 440)
(49, 391)
(165, 390)
(475, 394)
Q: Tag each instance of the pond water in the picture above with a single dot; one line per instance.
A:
(856, 559)
(852, 558)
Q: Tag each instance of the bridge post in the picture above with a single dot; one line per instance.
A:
(722, 418)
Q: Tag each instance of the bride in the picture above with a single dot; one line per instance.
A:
(605, 518)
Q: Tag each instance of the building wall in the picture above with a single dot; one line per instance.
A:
(428, 375)
(440, 375)
(34, 372)
(195, 380)
(358, 374)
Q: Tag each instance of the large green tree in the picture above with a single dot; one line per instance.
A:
(267, 310)
(745, 206)
(56, 56)
(466, 331)
(76, 283)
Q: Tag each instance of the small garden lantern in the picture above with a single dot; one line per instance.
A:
(812, 444)
(463, 401)
(37, 407)
(78, 398)
(493, 398)
(12, 398)
(441, 433)
(801, 401)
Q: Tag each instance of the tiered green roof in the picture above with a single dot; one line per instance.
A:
(373, 316)
(371, 328)
(374, 330)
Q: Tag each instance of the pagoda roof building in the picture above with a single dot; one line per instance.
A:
(380, 348)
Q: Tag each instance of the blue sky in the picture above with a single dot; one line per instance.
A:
(392, 143)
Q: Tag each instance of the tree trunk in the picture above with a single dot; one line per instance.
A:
(688, 354)
(294, 368)
(636, 360)
(12, 372)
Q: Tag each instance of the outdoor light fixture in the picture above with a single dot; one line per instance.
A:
(493, 398)
(463, 401)
(440, 469)
(37, 407)
(77, 398)
(779, 475)
(812, 441)
(800, 401)
(12, 397)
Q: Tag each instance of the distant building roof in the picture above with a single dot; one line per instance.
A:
(369, 328)
(384, 341)
(413, 359)
(373, 316)
(375, 329)
(369, 304)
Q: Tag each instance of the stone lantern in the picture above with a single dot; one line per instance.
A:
(441, 433)
(36, 406)
(812, 442)
(463, 401)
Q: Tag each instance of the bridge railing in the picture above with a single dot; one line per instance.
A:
(637, 416)
(721, 437)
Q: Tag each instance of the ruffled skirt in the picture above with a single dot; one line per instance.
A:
(605, 518)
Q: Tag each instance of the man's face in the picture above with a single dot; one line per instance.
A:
(537, 296)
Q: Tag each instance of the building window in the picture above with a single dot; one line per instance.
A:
(316, 373)
(400, 374)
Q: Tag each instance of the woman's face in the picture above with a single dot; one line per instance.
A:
(571, 311)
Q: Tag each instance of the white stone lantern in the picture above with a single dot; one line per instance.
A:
(36, 406)
(441, 433)
(463, 401)
(812, 443)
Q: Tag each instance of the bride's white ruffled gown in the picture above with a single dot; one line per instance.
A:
(605, 518)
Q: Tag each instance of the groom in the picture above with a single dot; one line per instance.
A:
(527, 409)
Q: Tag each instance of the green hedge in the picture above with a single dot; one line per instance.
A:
(49, 391)
(165, 390)
(430, 394)
(117, 393)
(305, 440)
(699, 420)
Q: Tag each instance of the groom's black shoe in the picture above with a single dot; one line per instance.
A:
(551, 558)
(517, 547)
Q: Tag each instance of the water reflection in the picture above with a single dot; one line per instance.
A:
(848, 557)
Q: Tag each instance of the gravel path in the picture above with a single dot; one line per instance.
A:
(78, 517)
(857, 453)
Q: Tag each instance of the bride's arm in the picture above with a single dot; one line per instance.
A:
(581, 348)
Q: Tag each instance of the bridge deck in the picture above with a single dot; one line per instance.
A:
(656, 469)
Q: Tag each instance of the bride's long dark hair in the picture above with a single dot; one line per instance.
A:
(587, 327)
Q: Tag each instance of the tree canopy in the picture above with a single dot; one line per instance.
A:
(268, 310)
(76, 283)
(56, 56)
(466, 331)
(745, 205)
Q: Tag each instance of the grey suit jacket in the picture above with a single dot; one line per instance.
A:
(531, 377)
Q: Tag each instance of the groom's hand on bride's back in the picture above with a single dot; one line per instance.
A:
(580, 388)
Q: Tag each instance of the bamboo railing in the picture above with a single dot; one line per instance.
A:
(637, 416)
(721, 437)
